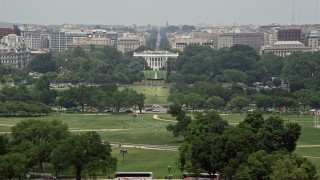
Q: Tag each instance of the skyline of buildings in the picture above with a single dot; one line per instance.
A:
(278, 39)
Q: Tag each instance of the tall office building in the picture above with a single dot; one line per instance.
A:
(31, 38)
(290, 33)
(255, 40)
(58, 40)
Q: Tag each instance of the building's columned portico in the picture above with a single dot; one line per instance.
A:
(156, 59)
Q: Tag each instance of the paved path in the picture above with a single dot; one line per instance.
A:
(7, 125)
(313, 145)
(156, 117)
(311, 157)
(82, 130)
(146, 146)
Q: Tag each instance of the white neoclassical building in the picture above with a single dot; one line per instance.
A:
(156, 59)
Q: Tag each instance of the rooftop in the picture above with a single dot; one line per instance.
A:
(289, 27)
(287, 43)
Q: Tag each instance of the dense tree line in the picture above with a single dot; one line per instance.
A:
(38, 142)
(227, 78)
(104, 97)
(212, 95)
(257, 148)
(24, 101)
(35, 100)
(100, 65)
(242, 64)
(153, 37)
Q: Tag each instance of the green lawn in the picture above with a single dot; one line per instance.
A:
(139, 160)
(154, 94)
(155, 74)
(154, 136)
(145, 160)
(113, 128)
(147, 130)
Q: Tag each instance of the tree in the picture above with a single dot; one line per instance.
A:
(216, 102)
(41, 137)
(124, 98)
(263, 101)
(232, 149)
(187, 28)
(169, 62)
(139, 101)
(254, 120)
(43, 92)
(86, 153)
(13, 165)
(245, 49)
(195, 153)
(78, 52)
(182, 120)
(277, 82)
(234, 76)
(4, 144)
(43, 63)
(240, 102)
(293, 167)
(194, 100)
(258, 166)
(299, 64)
(272, 64)
(275, 136)
(303, 97)
(280, 102)
(315, 101)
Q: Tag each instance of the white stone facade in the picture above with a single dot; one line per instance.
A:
(156, 59)
(284, 48)
(14, 52)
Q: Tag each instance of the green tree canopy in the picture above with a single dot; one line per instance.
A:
(86, 153)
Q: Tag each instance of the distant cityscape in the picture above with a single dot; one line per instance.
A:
(19, 43)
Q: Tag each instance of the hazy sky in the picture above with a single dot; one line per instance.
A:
(157, 12)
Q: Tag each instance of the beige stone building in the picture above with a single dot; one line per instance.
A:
(86, 42)
(312, 40)
(130, 42)
(255, 40)
(226, 40)
(14, 52)
(284, 48)
(181, 42)
(35, 38)
(211, 34)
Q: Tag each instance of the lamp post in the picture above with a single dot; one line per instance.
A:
(169, 169)
(123, 151)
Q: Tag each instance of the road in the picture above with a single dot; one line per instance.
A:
(146, 146)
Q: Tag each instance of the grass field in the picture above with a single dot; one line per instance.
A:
(155, 74)
(148, 160)
(147, 130)
(154, 94)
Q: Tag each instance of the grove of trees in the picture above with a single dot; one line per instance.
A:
(257, 148)
(34, 143)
